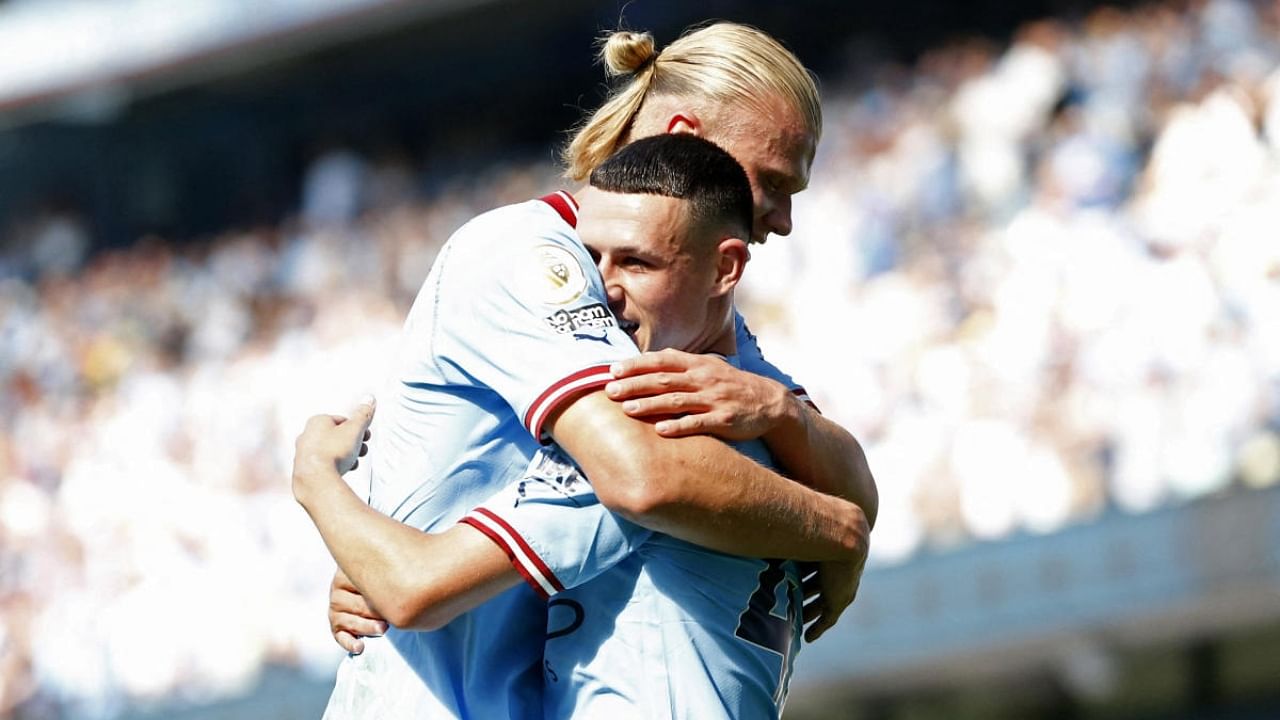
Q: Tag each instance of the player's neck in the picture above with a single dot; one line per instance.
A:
(723, 340)
(727, 346)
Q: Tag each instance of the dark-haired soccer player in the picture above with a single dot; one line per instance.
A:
(715, 633)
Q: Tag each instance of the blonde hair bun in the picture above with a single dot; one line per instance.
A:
(626, 52)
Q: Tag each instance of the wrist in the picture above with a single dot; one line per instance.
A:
(311, 476)
(787, 418)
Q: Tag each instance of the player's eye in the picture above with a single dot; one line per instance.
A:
(634, 262)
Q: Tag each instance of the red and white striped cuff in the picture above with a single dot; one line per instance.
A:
(525, 560)
(564, 389)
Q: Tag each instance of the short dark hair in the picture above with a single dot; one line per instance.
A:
(686, 167)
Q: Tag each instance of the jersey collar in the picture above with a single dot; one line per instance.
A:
(564, 204)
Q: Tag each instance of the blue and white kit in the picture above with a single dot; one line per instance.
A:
(640, 624)
(512, 320)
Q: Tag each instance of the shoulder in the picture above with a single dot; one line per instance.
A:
(526, 224)
(528, 248)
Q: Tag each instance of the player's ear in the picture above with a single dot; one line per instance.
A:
(684, 121)
(732, 255)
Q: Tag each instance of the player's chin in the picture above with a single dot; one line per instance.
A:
(632, 329)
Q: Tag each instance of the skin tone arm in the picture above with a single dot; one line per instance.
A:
(411, 578)
(660, 483)
(707, 395)
(713, 397)
(700, 490)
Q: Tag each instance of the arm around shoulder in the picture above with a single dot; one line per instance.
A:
(823, 454)
(700, 490)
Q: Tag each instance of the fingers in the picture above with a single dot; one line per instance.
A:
(811, 587)
(826, 617)
(350, 617)
(687, 425)
(671, 403)
(341, 582)
(812, 611)
(349, 642)
(355, 625)
(648, 385)
(652, 362)
(819, 628)
(346, 602)
(363, 414)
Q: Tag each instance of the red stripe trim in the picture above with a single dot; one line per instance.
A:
(565, 389)
(564, 204)
(804, 397)
(533, 556)
(511, 555)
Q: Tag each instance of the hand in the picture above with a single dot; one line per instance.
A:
(830, 589)
(705, 394)
(330, 443)
(350, 617)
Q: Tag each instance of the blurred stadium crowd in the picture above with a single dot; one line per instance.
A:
(1040, 282)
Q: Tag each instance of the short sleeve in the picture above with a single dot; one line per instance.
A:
(552, 527)
(522, 310)
(751, 359)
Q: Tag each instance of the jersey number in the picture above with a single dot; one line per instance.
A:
(758, 624)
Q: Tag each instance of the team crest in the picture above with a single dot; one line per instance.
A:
(562, 280)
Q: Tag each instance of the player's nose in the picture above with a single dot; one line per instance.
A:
(615, 296)
(778, 219)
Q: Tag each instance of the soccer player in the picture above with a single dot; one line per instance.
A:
(663, 218)
(479, 382)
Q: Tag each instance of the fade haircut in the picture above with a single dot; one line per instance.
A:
(686, 167)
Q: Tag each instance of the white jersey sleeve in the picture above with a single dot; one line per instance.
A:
(522, 310)
(553, 528)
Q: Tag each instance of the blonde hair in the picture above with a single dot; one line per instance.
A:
(722, 63)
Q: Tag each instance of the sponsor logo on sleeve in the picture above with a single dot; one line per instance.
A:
(560, 277)
(589, 317)
(551, 471)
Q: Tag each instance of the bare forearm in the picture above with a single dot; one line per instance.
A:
(413, 579)
(700, 490)
(726, 502)
(823, 455)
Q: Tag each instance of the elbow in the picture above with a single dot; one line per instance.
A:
(867, 494)
(414, 608)
(871, 506)
(637, 490)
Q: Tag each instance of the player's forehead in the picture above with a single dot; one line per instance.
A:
(786, 161)
(617, 222)
(772, 142)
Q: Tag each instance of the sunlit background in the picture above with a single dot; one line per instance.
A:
(1037, 273)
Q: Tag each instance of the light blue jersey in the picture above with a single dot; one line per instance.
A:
(511, 322)
(640, 624)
